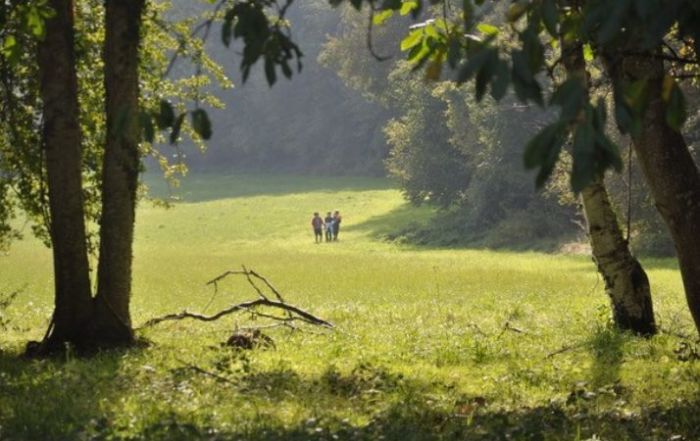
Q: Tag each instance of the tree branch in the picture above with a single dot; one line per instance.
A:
(293, 313)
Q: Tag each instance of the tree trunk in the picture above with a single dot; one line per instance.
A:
(668, 167)
(626, 282)
(120, 171)
(62, 144)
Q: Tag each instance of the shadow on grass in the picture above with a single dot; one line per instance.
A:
(65, 401)
(55, 398)
(425, 227)
(208, 187)
(417, 420)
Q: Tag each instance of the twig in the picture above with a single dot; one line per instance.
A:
(566, 348)
(370, 45)
(477, 329)
(678, 334)
(508, 327)
(252, 283)
(207, 373)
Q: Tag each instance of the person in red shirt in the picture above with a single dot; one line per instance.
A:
(317, 224)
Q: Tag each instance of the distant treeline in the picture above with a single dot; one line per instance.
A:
(311, 124)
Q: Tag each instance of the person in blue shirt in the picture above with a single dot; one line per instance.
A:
(329, 227)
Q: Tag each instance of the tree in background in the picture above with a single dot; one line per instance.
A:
(449, 151)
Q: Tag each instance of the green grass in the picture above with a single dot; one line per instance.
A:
(422, 350)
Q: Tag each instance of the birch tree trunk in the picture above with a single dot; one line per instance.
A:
(626, 282)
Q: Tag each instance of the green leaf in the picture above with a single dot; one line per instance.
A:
(588, 54)
(408, 6)
(35, 22)
(227, 27)
(550, 16)
(147, 129)
(676, 113)
(11, 50)
(543, 151)
(501, 79)
(526, 86)
(270, 73)
(166, 115)
(177, 126)
(483, 77)
(201, 123)
(414, 38)
(487, 29)
(583, 155)
(473, 65)
(570, 96)
(382, 16)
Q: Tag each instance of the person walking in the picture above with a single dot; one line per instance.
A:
(337, 218)
(317, 225)
(329, 226)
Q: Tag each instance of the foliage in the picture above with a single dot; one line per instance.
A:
(21, 157)
(480, 55)
(312, 124)
(423, 353)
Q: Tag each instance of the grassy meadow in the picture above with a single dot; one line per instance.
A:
(430, 344)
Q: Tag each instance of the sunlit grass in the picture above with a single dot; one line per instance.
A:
(431, 343)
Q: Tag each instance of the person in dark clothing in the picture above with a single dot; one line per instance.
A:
(337, 218)
(329, 227)
(317, 224)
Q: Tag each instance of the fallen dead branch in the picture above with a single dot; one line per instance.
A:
(292, 313)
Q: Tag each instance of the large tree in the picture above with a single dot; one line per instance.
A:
(638, 40)
(129, 118)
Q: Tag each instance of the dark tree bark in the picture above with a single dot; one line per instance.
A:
(668, 167)
(120, 171)
(62, 144)
(626, 282)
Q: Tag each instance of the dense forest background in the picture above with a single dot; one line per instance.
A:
(349, 114)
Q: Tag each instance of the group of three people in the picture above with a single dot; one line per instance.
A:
(331, 224)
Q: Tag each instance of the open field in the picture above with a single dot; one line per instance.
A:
(431, 344)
